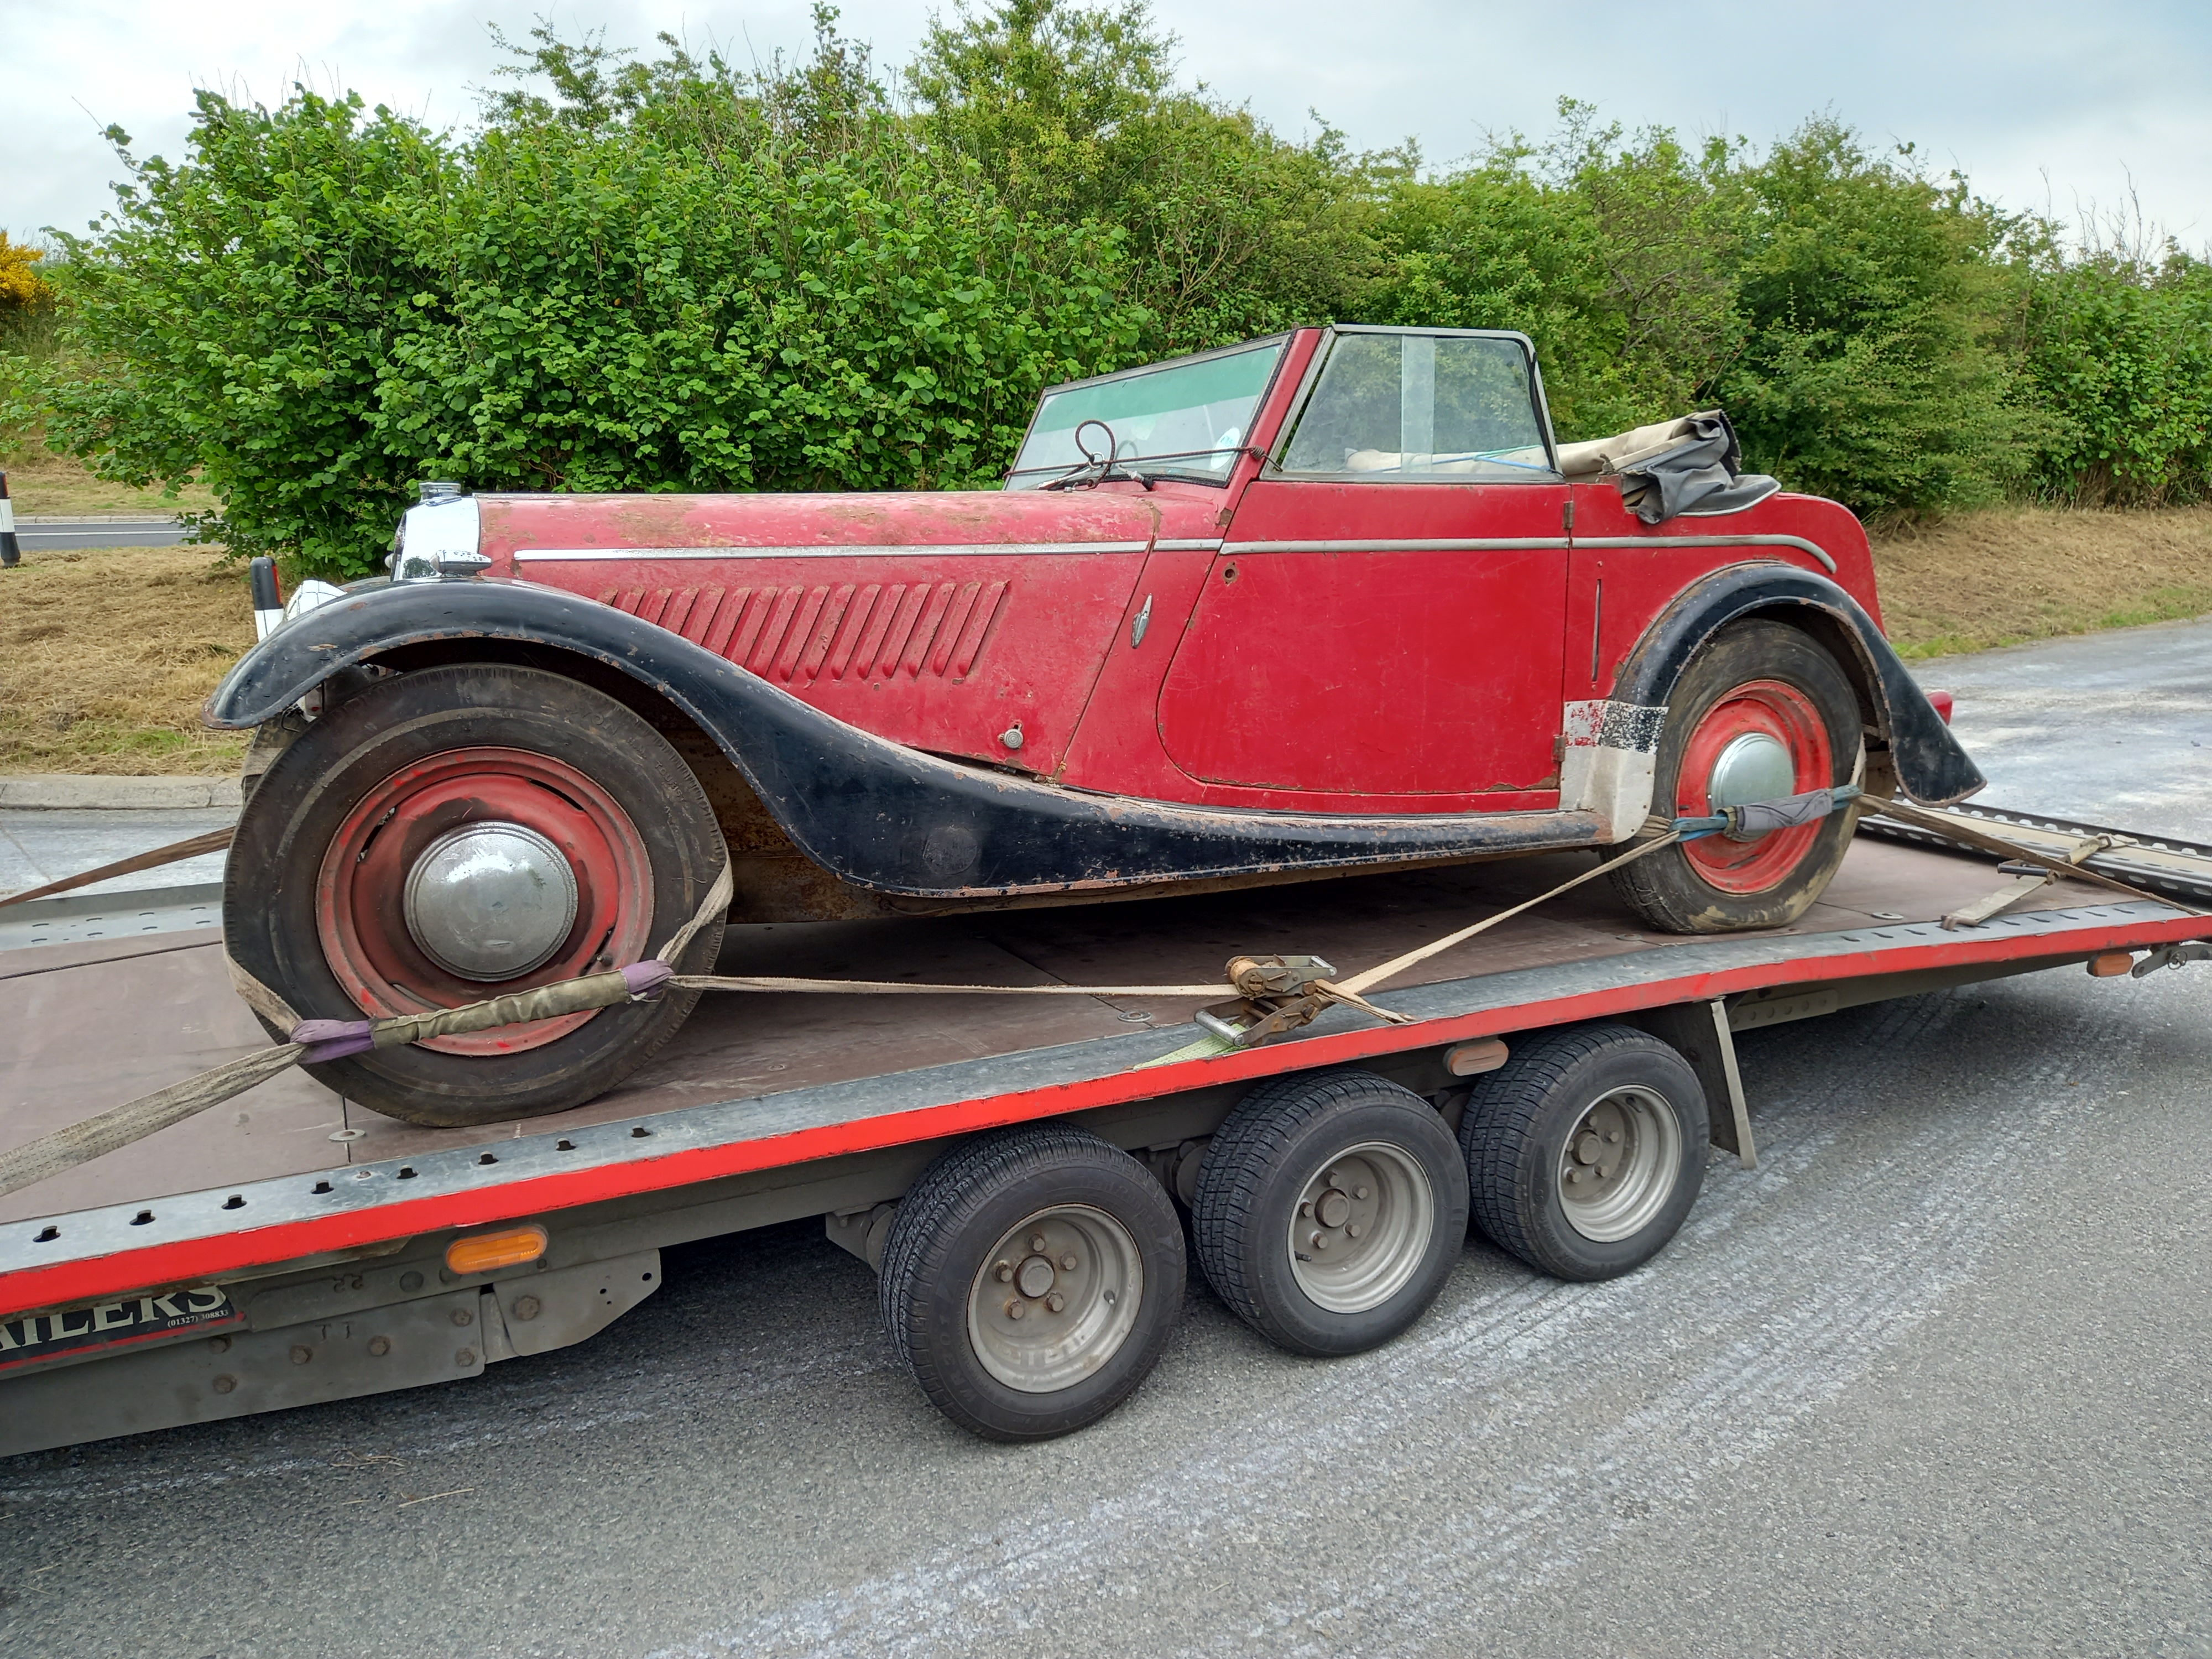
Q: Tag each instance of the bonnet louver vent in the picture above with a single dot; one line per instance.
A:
(799, 634)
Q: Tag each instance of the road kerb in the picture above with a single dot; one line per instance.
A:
(69, 791)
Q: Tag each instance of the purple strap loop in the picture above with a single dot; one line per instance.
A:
(333, 1039)
(648, 978)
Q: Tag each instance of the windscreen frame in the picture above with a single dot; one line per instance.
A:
(1309, 383)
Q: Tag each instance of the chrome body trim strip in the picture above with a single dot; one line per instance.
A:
(862, 551)
(1506, 543)
(1192, 544)
(1406, 544)
(1797, 542)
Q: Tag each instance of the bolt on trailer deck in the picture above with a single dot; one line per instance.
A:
(1030, 1177)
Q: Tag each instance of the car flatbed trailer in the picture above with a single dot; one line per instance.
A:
(287, 1248)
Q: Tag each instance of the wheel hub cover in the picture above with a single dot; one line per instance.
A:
(1755, 767)
(490, 901)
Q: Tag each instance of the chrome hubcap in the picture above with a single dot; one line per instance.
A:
(1361, 1228)
(1056, 1298)
(1752, 767)
(1619, 1164)
(490, 901)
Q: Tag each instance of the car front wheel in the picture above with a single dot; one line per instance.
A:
(460, 833)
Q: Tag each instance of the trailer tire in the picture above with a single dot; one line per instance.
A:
(1330, 1210)
(351, 809)
(1771, 697)
(1536, 1133)
(1017, 1343)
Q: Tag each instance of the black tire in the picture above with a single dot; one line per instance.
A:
(1515, 1134)
(941, 1248)
(310, 788)
(1286, 1137)
(1667, 889)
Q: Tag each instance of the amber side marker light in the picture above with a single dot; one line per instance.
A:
(2112, 964)
(482, 1252)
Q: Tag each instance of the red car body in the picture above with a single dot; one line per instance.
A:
(1316, 646)
(1362, 666)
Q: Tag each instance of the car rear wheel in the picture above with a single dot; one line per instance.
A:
(457, 834)
(1761, 713)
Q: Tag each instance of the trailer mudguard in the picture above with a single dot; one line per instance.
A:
(874, 813)
(1931, 765)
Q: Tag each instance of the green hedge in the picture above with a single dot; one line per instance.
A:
(666, 274)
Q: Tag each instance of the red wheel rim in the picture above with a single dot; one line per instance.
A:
(358, 915)
(1780, 711)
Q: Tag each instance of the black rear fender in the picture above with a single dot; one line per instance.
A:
(1909, 739)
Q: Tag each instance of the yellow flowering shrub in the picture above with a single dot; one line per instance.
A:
(21, 285)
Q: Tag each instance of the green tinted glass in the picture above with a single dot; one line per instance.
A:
(1185, 418)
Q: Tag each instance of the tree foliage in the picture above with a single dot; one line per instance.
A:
(664, 272)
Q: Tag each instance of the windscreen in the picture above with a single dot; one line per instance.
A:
(1187, 420)
(1421, 405)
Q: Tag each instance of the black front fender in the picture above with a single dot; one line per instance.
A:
(1931, 765)
(873, 813)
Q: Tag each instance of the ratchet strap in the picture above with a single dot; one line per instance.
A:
(1952, 830)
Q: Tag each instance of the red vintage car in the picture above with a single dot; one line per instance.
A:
(1326, 602)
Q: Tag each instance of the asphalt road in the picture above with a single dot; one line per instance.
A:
(2111, 728)
(1932, 1379)
(59, 535)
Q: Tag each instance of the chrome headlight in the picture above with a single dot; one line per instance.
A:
(439, 538)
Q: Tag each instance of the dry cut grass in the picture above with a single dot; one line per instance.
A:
(45, 485)
(107, 655)
(2007, 575)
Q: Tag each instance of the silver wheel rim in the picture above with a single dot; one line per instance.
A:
(490, 901)
(1362, 1227)
(1619, 1164)
(1075, 1276)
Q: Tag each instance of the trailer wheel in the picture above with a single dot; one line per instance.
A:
(1030, 1279)
(1329, 1210)
(1585, 1150)
(1762, 711)
(451, 834)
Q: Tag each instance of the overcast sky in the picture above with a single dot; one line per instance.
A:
(2042, 103)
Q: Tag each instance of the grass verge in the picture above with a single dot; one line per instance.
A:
(106, 654)
(45, 485)
(2012, 574)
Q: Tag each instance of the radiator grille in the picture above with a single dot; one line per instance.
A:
(798, 635)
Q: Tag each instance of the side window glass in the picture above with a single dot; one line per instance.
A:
(1418, 405)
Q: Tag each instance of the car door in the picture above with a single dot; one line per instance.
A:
(1385, 616)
